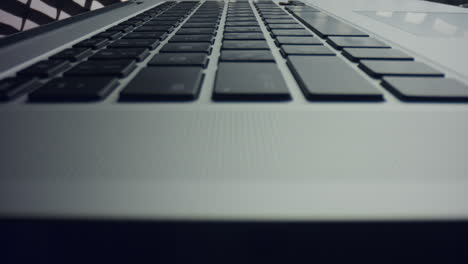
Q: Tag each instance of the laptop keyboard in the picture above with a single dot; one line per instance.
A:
(246, 71)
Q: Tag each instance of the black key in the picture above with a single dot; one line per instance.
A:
(161, 23)
(290, 32)
(282, 17)
(164, 84)
(284, 26)
(109, 35)
(378, 69)
(356, 54)
(297, 41)
(45, 69)
(122, 28)
(242, 29)
(179, 59)
(325, 25)
(203, 20)
(94, 43)
(117, 68)
(276, 15)
(154, 29)
(248, 16)
(244, 36)
(329, 78)
(280, 21)
(135, 43)
(251, 82)
(356, 42)
(174, 20)
(247, 56)
(242, 24)
(311, 50)
(245, 45)
(205, 16)
(241, 19)
(121, 54)
(75, 54)
(196, 31)
(427, 89)
(74, 89)
(146, 35)
(192, 38)
(12, 87)
(187, 47)
(200, 25)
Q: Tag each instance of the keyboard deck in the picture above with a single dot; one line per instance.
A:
(243, 51)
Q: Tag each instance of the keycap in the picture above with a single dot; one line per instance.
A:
(356, 42)
(74, 89)
(121, 28)
(245, 45)
(192, 38)
(326, 26)
(290, 32)
(329, 78)
(161, 23)
(94, 43)
(117, 68)
(427, 89)
(13, 87)
(378, 69)
(109, 35)
(164, 84)
(242, 29)
(311, 50)
(146, 35)
(200, 25)
(154, 29)
(297, 41)
(121, 54)
(251, 82)
(196, 31)
(45, 69)
(276, 16)
(74, 54)
(187, 47)
(173, 20)
(242, 24)
(244, 36)
(280, 21)
(284, 26)
(241, 19)
(356, 54)
(179, 59)
(135, 43)
(247, 56)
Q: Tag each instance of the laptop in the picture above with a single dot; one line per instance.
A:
(258, 111)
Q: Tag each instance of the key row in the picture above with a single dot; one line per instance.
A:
(176, 73)
(401, 74)
(102, 55)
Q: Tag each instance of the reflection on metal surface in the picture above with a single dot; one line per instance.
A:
(424, 23)
(20, 15)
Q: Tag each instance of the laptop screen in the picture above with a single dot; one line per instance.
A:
(21, 15)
